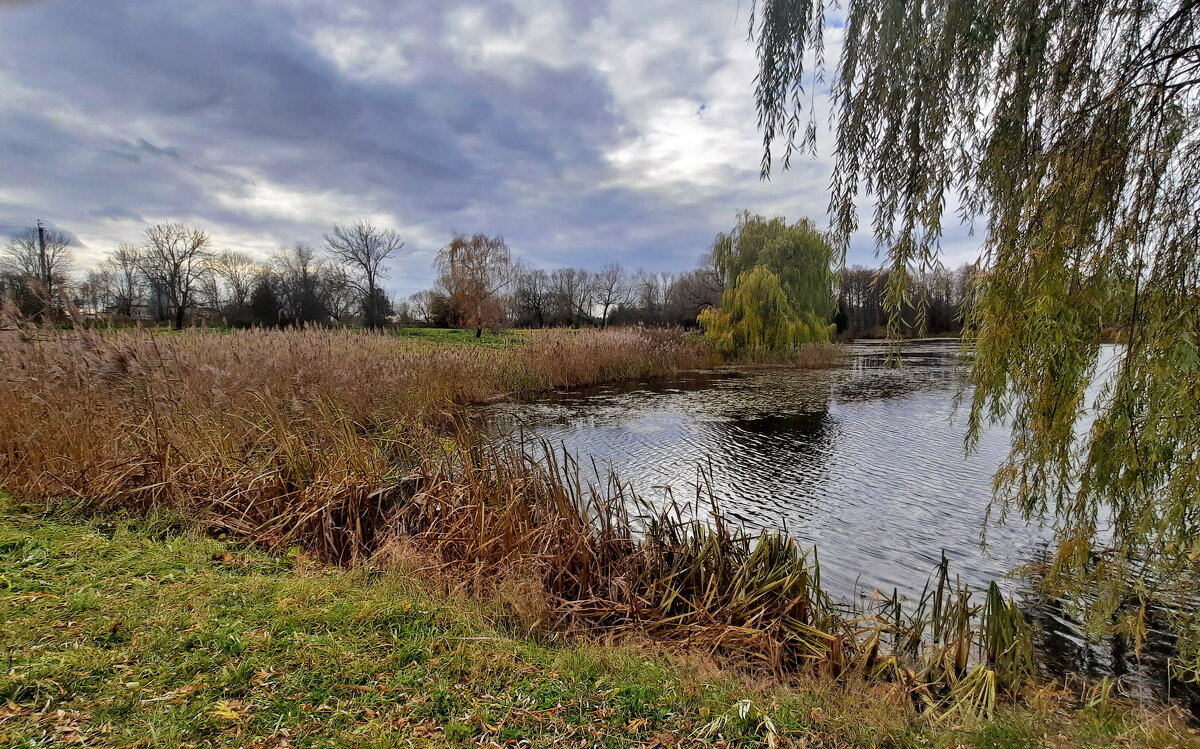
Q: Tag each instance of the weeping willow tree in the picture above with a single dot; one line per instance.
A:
(778, 287)
(1068, 131)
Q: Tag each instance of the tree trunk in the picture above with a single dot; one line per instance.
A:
(478, 332)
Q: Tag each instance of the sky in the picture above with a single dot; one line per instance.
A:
(583, 131)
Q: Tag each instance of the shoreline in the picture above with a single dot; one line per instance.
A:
(323, 441)
(205, 641)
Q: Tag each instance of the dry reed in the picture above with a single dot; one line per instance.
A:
(343, 443)
(301, 431)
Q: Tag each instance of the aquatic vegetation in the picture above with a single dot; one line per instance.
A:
(349, 447)
(310, 423)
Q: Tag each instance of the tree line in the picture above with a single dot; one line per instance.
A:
(938, 301)
(176, 276)
(481, 287)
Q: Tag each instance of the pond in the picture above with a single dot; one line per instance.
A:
(864, 461)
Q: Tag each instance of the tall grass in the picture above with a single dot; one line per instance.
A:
(350, 446)
(266, 421)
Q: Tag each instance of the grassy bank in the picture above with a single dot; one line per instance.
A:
(353, 449)
(350, 447)
(130, 633)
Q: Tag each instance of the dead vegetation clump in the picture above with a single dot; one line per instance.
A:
(306, 437)
(348, 446)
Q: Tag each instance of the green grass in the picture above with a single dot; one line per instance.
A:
(503, 339)
(130, 633)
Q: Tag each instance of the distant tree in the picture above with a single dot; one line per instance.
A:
(236, 271)
(532, 299)
(209, 292)
(441, 313)
(860, 299)
(94, 293)
(363, 249)
(778, 286)
(572, 293)
(304, 284)
(43, 273)
(402, 312)
(709, 281)
(340, 295)
(935, 304)
(175, 259)
(650, 293)
(611, 289)
(264, 307)
(377, 307)
(474, 272)
(688, 294)
(128, 286)
(419, 307)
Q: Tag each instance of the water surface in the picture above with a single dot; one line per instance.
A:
(865, 461)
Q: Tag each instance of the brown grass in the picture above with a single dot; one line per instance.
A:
(349, 445)
(308, 436)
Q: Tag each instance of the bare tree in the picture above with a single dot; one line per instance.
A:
(41, 263)
(364, 250)
(650, 293)
(174, 259)
(238, 272)
(571, 289)
(208, 290)
(94, 293)
(341, 296)
(474, 270)
(127, 286)
(532, 300)
(419, 305)
(688, 294)
(611, 289)
(303, 283)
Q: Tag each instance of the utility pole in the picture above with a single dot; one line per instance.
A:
(44, 268)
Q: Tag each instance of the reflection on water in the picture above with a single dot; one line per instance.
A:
(865, 461)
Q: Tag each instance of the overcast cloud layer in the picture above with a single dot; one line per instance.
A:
(583, 131)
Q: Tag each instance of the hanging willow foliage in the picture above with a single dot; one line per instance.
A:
(778, 290)
(1069, 129)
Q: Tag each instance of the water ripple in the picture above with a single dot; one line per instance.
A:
(867, 462)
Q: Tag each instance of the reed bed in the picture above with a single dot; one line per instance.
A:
(350, 446)
(314, 418)
(597, 556)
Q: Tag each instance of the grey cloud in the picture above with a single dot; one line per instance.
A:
(172, 103)
(116, 213)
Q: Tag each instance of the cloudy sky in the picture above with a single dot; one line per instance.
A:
(584, 131)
